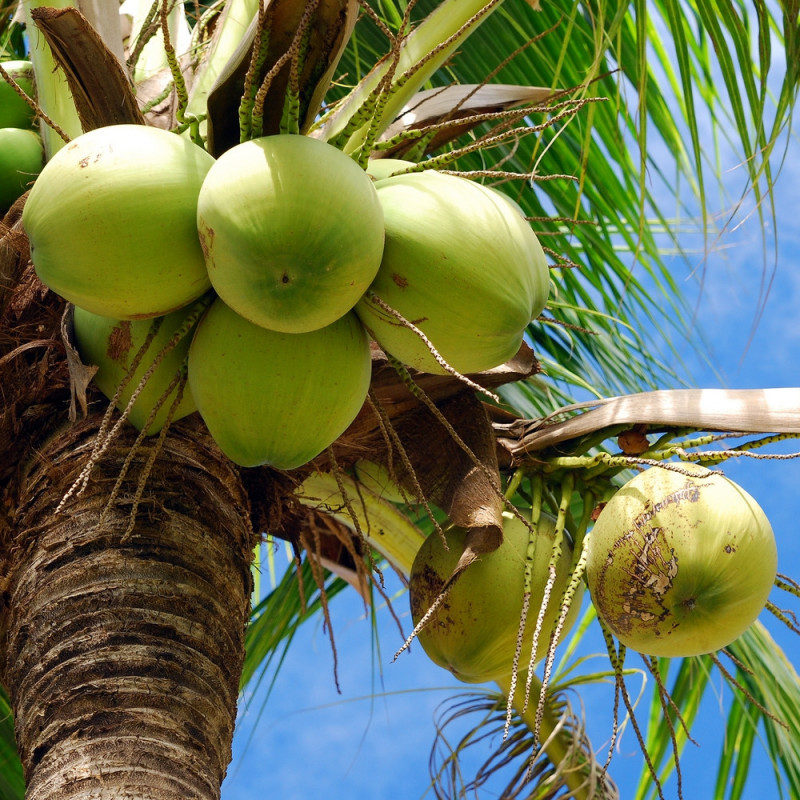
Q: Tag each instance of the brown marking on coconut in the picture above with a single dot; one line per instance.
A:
(206, 240)
(120, 342)
(400, 280)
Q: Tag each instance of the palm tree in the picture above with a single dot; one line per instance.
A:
(125, 604)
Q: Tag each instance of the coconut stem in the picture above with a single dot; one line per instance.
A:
(554, 744)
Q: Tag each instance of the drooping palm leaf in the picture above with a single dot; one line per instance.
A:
(772, 683)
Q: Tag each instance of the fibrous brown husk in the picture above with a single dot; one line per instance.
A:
(102, 92)
(462, 478)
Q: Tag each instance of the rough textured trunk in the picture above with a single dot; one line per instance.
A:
(122, 653)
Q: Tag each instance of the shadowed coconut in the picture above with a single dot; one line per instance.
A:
(21, 160)
(277, 398)
(292, 231)
(14, 111)
(113, 344)
(680, 565)
(474, 632)
(462, 264)
(112, 222)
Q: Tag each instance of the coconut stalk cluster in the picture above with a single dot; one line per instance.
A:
(263, 274)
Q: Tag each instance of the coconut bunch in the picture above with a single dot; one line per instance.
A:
(21, 150)
(300, 255)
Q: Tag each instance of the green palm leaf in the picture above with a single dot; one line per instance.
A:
(12, 784)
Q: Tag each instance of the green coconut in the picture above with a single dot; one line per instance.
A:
(277, 398)
(680, 565)
(112, 345)
(474, 633)
(14, 111)
(21, 160)
(111, 222)
(462, 264)
(292, 231)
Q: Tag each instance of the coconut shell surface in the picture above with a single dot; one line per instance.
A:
(112, 345)
(292, 231)
(474, 633)
(463, 265)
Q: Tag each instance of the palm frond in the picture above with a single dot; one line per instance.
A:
(771, 682)
(273, 622)
(642, 171)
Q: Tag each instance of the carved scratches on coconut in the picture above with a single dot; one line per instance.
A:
(292, 231)
(277, 398)
(680, 565)
(462, 264)
(474, 632)
(112, 222)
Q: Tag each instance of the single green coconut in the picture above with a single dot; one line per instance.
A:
(462, 264)
(277, 398)
(21, 160)
(680, 565)
(292, 231)
(474, 633)
(111, 222)
(14, 111)
(112, 345)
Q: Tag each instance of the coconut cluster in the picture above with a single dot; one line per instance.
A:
(680, 562)
(301, 257)
(21, 150)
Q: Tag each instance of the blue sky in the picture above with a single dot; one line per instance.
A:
(373, 739)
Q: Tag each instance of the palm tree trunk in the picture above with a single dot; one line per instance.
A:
(122, 652)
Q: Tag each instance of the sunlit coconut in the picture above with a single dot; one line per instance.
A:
(112, 222)
(462, 264)
(680, 565)
(292, 231)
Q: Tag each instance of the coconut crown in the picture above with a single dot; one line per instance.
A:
(680, 563)
(474, 633)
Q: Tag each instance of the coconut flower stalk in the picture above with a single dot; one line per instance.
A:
(52, 91)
